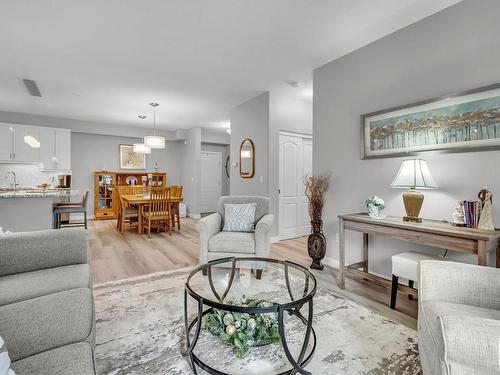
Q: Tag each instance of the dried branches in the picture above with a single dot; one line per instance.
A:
(315, 190)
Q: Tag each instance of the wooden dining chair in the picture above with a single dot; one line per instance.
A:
(157, 212)
(175, 212)
(126, 213)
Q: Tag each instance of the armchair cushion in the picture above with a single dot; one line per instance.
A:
(232, 242)
(261, 209)
(472, 344)
(239, 217)
(432, 312)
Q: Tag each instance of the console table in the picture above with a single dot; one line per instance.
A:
(429, 232)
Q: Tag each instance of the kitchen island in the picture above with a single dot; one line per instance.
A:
(24, 210)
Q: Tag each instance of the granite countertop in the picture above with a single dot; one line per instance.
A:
(37, 193)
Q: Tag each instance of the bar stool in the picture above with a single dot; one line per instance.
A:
(405, 265)
(71, 208)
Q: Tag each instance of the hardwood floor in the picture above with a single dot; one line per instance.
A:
(117, 256)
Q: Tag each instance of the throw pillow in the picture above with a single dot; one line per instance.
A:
(4, 360)
(239, 217)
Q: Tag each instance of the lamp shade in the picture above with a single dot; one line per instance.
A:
(154, 141)
(141, 148)
(414, 174)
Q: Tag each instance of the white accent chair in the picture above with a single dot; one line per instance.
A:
(405, 265)
(217, 244)
(458, 318)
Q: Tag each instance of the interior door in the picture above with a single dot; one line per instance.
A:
(295, 163)
(211, 171)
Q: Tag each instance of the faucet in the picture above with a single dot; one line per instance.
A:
(14, 184)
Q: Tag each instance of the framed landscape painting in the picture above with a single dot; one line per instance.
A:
(469, 121)
(130, 160)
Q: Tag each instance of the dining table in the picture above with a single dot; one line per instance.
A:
(141, 200)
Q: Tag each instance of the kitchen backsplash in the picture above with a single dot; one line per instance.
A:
(27, 175)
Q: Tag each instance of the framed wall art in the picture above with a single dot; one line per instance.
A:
(468, 121)
(131, 160)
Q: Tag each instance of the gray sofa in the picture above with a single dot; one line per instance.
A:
(458, 319)
(46, 302)
(215, 244)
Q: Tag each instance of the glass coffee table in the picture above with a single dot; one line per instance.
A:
(225, 287)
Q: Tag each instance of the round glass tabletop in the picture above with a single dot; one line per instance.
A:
(253, 285)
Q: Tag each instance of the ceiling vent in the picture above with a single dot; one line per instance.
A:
(32, 87)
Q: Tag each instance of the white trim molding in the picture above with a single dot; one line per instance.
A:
(275, 239)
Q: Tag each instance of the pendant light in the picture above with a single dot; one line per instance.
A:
(141, 148)
(154, 141)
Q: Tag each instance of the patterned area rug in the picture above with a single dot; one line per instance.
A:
(140, 330)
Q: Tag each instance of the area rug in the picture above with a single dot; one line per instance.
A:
(140, 330)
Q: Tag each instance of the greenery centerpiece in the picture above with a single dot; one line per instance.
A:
(243, 331)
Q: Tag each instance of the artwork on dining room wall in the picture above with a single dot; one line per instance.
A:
(131, 160)
(468, 121)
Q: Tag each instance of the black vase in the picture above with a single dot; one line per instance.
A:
(316, 244)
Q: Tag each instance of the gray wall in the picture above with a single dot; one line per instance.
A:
(90, 152)
(285, 114)
(190, 171)
(224, 150)
(451, 51)
(251, 120)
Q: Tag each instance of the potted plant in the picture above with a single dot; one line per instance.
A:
(316, 243)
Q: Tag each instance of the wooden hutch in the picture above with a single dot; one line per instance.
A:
(105, 197)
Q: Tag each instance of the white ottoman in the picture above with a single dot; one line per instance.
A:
(405, 265)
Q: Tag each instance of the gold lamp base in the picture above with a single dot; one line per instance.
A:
(413, 203)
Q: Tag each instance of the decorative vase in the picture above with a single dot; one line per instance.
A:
(316, 244)
(375, 211)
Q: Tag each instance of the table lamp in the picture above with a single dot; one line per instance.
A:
(413, 174)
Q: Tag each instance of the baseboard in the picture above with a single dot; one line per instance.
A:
(331, 262)
(275, 239)
(194, 216)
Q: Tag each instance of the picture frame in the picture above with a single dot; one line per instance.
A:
(461, 122)
(130, 160)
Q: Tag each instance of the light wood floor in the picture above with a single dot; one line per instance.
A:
(117, 256)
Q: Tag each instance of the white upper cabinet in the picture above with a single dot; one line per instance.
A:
(54, 152)
(14, 149)
(62, 149)
(6, 142)
(55, 149)
(23, 152)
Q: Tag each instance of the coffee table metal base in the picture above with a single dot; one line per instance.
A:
(297, 366)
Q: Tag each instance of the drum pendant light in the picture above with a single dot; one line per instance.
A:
(154, 141)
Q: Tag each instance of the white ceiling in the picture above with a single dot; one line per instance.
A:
(103, 61)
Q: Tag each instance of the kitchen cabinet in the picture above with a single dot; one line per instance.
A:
(55, 149)
(13, 147)
(23, 152)
(6, 142)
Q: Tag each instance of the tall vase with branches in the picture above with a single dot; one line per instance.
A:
(315, 188)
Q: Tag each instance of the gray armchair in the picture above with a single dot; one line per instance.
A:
(458, 319)
(216, 244)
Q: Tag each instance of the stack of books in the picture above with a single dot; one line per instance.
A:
(472, 210)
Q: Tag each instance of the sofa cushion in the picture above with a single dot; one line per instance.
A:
(23, 286)
(232, 242)
(39, 324)
(432, 311)
(239, 217)
(74, 359)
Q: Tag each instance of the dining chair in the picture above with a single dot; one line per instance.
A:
(157, 212)
(126, 212)
(175, 213)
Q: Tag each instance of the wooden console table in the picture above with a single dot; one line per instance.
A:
(429, 232)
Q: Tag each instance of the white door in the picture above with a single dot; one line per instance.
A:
(295, 163)
(211, 164)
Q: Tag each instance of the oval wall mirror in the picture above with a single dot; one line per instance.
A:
(247, 159)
